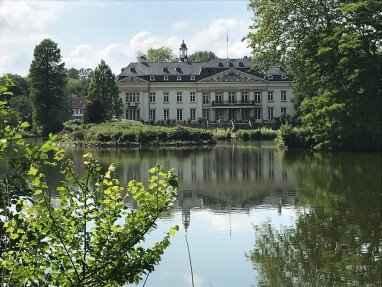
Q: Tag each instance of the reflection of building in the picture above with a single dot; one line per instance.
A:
(219, 90)
(188, 200)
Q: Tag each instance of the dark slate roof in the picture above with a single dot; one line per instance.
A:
(78, 102)
(185, 70)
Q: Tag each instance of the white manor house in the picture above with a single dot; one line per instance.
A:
(220, 90)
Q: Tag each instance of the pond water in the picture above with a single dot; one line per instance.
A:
(258, 216)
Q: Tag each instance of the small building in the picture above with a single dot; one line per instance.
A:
(220, 90)
(77, 107)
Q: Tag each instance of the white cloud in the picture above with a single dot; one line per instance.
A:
(22, 26)
(178, 26)
(212, 38)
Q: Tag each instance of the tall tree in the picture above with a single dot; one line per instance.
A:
(334, 50)
(47, 81)
(162, 54)
(103, 92)
(201, 56)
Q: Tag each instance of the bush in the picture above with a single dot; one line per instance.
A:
(221, 134)
(127, 136)
(258, 134)
(292, 137)
(78, 135)
(103, 137)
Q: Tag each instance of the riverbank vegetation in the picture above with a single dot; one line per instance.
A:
(120, 133)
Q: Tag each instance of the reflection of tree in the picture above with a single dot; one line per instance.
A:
(337, 240)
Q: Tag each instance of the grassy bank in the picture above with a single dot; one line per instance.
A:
(120, 133)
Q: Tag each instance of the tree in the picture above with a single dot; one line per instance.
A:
(334, 52)
(102, 88)
(47, 81)
(86, 236)
(202, 56)
(162, 54)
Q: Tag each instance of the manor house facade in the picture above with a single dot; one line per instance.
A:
(219, 90)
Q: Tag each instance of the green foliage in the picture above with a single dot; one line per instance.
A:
(222, 134)
(86, 236)
(102, 96)
(124, 132)
(336, 65)
(294, 137)
(202, 56)
(162, 54)
(257, 134)
(47, 82)
(23, 106)
(78, 82)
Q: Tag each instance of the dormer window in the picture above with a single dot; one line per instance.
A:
(230, 64)
(165, 78)
(152, 78)
(177, 69)
(220, 64)
(132, 69)
(192, 78)
(178, 78)
(283, 77)
(165, 69)
(270, 77)
(240, 64)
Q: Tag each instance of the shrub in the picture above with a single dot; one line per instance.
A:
(292, 137)
(78, 135)
(221, 134)
(127, 136)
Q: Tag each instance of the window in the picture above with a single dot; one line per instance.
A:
(283, 77)
(283, 96)
(133, 115)
(178, 97)
(192, 96)
(166, 114)
(231, 97)
(245, 114)
(152, 78)
(192, 78)
(193, 114)
(219, 114)
(179, 114)
(165, 97)
(244, 97)
(178, 78)
(270, 77)
(270, 113)
(152, 97)
(270, 96)
(206, 114)
(283, 111)
(232, 114)
(257, 97)
(165, 78)
(132, 98)
(206, 98)
(219, 97)
(152, 115)
(258, 114)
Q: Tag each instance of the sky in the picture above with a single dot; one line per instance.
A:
(88, 31)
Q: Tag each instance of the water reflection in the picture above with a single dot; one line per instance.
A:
(220, 178)
(337, 240)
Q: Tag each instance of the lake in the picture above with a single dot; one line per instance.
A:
(255, 215)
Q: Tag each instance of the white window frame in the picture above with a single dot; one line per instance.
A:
(257, 97)
(283, 96)
(206, 97)
(178, 78)
(257, 113)
(152, 78)
(152, 115)
(218, 97)
(165, 78)
(283, 110)
(192, 78)
(270, 96)
(232, 97)
(193, 114)
(179, 97)
(179, 114)
(244, 97)
(166, 114)
(270, 113)
(192, 97)
(165, 97)
(152, 98)
(206, 113)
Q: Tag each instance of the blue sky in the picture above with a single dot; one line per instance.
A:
(88, 31)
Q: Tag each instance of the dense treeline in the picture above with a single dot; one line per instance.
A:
(333, 49)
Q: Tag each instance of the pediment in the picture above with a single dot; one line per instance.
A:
(231, 76)
(132, 80)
